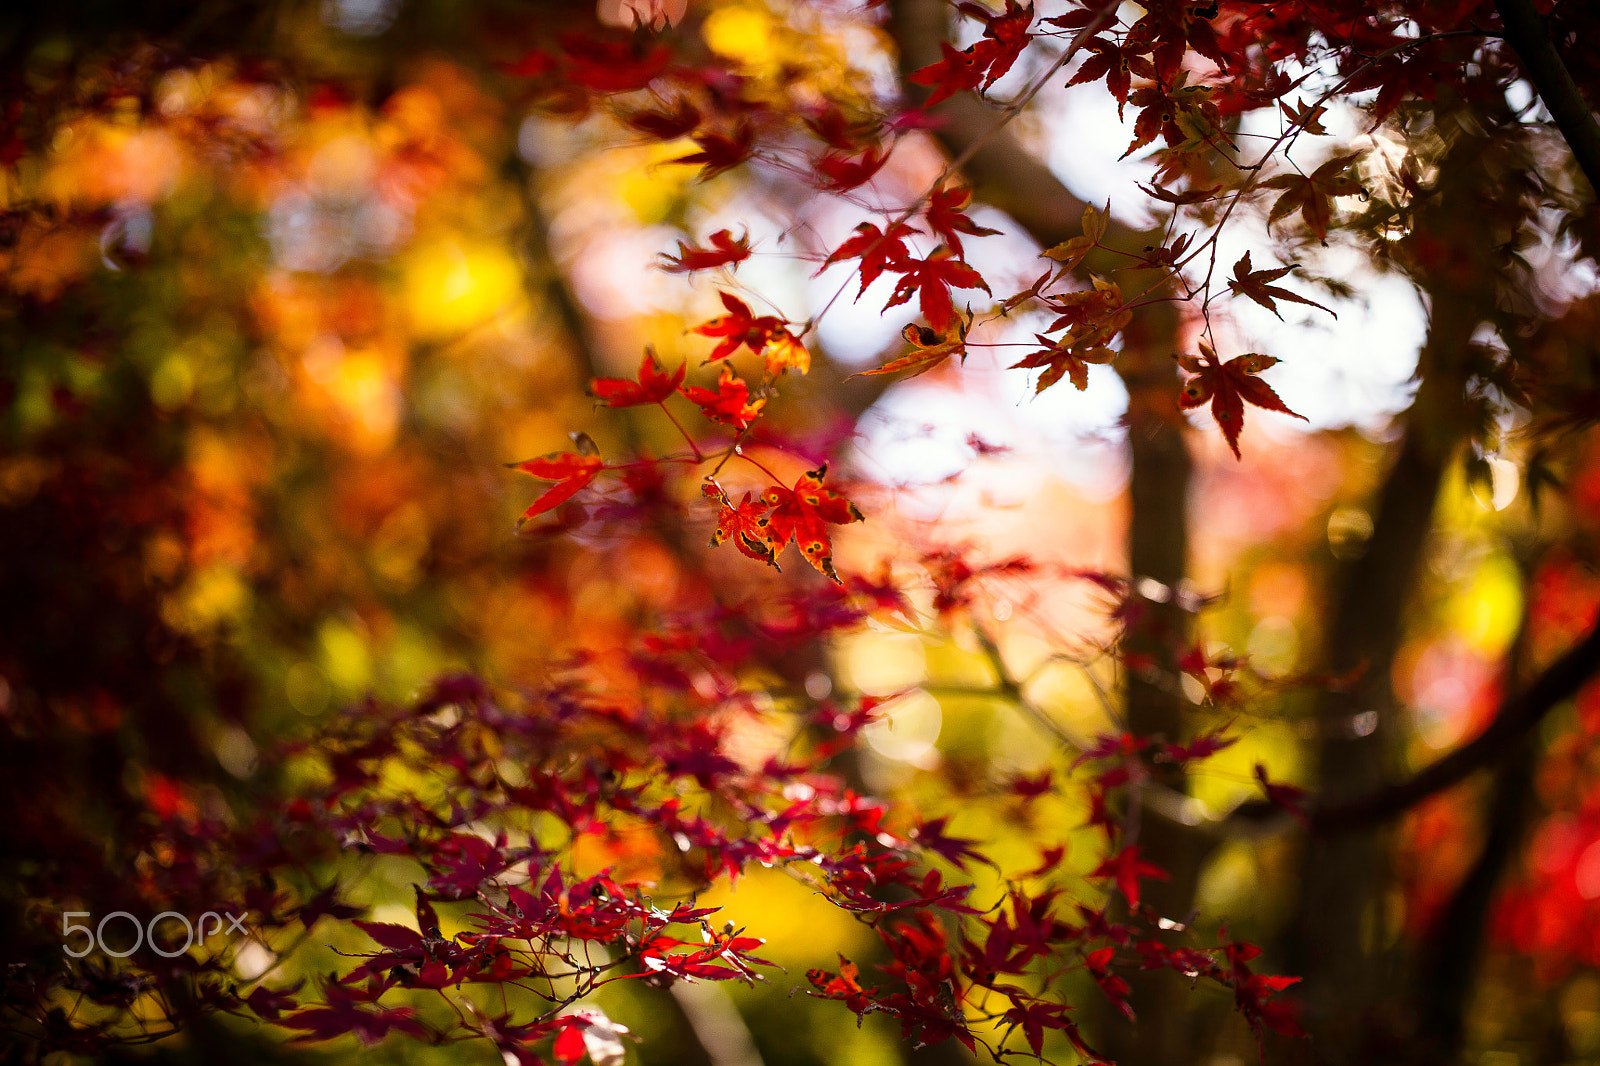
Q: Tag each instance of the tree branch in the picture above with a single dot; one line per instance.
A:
(1517, 717)
(1528, 33)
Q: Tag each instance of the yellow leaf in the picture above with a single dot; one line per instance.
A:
(783, 351)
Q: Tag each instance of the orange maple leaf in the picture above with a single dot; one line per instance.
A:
(745, 523)
(929, 349)
(1066, 357)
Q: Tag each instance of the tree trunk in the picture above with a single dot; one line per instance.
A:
(1339, 937)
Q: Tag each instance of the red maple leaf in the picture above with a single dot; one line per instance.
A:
(720, 151)
(728, 403)
(1313, 194)
(803, 514)
(326, 903)
(397, 938)
(665, 124)
(612, 66)
(945, 217)
(933, 278)
(1037, 1016)
(1289, 797)
(1005, 36)
(1111, 62)
(738, 327)
(1256, 284)
(1156, 113)
(569, 470)
(1201, 747)
(1031, 786)
(1227, 387)
(837, 130)
(1115, 988)
(1184, 115)
(568, 1046)
(1120, 746)
(724, 251)
(1126, 868)
(1251, 991)
(1178, 199)
(1065, 357)
(956, 72)
(1093, 316)
(345, 1012)
(848, 172)
(1049, 859)
(957, 850)
(270, 1003)
(876, 249)
(654, 384)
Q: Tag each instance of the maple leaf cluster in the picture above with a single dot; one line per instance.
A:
(762, 528)
(619, 752)
(640, 744)
(930, 279)
(522, 908)
(1091, 320)
(1005, 36)
(846, 146)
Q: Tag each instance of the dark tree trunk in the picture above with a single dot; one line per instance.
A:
(1338, 939)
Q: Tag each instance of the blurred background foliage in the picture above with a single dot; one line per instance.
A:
(286, 284)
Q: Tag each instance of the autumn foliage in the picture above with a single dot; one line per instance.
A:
(633, 704)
